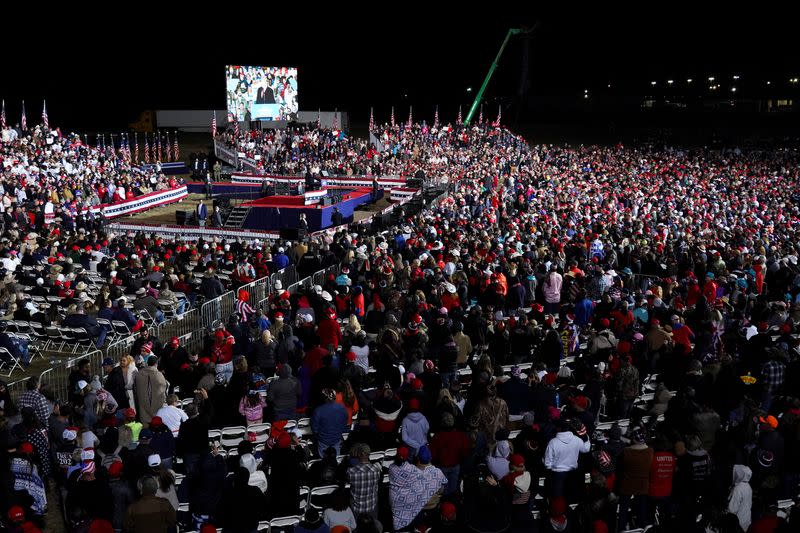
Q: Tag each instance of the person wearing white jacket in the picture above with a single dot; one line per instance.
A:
(561, 455)
(740, 500)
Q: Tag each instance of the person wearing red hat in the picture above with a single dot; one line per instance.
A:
(18, 523)
(329, 330)
(517, 484)
(415, 427)
(222, 353)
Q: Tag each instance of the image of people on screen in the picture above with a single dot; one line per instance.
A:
(261, 93)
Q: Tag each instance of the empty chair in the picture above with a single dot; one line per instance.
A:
(232, 436)
(284, 524)
(320, 497)
(8, 363)
(121, 328)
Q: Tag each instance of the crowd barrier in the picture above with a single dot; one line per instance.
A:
(190, 328)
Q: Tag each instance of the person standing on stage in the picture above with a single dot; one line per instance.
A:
(202, 214)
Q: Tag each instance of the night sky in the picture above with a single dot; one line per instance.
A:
(101, 73)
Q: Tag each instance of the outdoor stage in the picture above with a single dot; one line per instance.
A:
(249, 214)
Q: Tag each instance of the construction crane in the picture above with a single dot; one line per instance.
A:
(479, 96)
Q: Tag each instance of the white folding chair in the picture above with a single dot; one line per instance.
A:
(232, 436)
(8, 363)
(261, 431)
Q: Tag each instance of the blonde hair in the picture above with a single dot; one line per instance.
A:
(266, 336)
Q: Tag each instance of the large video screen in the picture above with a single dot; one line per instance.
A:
(261, 93)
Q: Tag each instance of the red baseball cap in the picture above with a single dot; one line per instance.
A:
(448, 511)
(16, 514)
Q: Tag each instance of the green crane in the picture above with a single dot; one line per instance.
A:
(511, 32)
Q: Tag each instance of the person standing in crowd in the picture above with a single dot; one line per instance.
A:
(329, 422)
(149, 513)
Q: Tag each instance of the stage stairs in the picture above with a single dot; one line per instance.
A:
(237, 217)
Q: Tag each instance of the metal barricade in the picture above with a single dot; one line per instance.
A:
(17, 387)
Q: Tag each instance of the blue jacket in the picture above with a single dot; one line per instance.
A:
(280, 261)
(202, 211)
(328, 423)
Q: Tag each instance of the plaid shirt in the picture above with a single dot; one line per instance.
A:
(772, 375)
(365, 478)
(37, 402)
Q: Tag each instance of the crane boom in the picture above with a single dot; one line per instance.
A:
(511, 32)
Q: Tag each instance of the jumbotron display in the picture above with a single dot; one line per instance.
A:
(261, 93)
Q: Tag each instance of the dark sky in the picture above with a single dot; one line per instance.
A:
(100, 71)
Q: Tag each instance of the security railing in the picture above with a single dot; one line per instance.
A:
(190, 328)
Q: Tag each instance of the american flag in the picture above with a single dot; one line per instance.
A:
(146, 149)
(158, 144)
(496, 123)
(436, 117)
(459, 115)
(214, 125)
(176, 151)
(391, 119)
(168, 148)
(3, 116)
(24, 121)
(371, 120)
(236, 131)
(480, 115)
(136, 146)
(45, 122)
(335, 125)
(410, 119)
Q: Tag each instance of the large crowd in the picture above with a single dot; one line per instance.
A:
(46, 175)
(574, 339)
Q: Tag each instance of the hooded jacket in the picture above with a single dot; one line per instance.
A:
(498, 460)
(415, 429)
(740, 500)
(562, 451)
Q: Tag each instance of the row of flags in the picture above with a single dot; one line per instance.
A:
(23, 121)
(459, 120)
(157, 147)
(162, 148)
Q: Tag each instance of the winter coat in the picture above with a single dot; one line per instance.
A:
(562, 451)
(740, 500)
(151, 391)
(415, 430)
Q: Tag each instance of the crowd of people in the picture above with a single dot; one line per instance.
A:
(574, 339)
(46, 176)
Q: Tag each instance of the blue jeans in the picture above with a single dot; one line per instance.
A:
(321, 447)
(451, 473)
(159, 316)
(181, 308)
